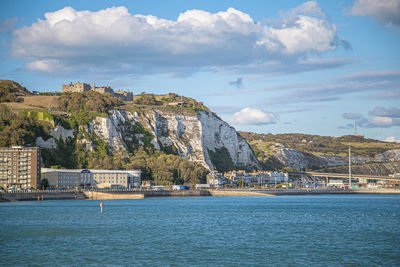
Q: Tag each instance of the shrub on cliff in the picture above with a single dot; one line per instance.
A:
(17, 129)
(88, 101)
(9, 91)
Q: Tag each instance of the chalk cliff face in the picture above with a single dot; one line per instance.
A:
(298, 160)
(193, 137)
(56, 134)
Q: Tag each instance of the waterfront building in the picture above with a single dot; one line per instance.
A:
(19, 167)
(147, 183)
(78, 178)
(202, 186)
(216, 179)
(278, 178)
(260, 178)
(180, 187)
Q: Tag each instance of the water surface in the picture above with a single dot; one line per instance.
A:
(323, 230)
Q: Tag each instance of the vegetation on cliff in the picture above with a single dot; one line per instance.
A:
(18, 129)
(84, 107)
(10, 91)
(168, 103)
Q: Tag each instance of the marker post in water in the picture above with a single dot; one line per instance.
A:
(101, 208)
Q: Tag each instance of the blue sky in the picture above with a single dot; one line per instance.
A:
(263, 66)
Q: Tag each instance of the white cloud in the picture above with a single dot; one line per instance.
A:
(392, 139)
(252, 116)
(113, 38)
(385, 11)
(45, 66)
(377, 121)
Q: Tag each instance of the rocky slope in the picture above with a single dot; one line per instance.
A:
(298, 160)
(202, 137)
(379, 169)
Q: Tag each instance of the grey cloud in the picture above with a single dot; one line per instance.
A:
(384, 11)
(386, 95)
(386, 112)
(383, 117)
(351, 116)
(238, 83)
(346, 45)
(7, 26)
(347, 126)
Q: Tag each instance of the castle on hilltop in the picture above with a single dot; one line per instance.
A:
(85, 87)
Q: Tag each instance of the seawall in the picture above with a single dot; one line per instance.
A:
(20, 196)
(228, 193)
(140, 194)
(110, 195)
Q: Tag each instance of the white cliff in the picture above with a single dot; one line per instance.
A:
(56, 134)
(60, 133)
(109, 131)
(193, 136)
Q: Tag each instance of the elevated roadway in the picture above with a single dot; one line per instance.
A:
(345, 176)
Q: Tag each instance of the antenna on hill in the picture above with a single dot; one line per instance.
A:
(355, 128)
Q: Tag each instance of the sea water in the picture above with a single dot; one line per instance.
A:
(321, 230)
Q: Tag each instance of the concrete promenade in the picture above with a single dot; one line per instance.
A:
(140, 194)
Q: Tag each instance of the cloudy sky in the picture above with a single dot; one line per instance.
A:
(263, 66)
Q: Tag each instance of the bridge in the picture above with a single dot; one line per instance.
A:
(361, 177)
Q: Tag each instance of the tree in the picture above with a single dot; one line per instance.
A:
(242, 183)
(44, 184)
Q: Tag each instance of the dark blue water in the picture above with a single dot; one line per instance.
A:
(326, 230)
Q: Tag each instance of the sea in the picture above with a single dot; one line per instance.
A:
(311, 230)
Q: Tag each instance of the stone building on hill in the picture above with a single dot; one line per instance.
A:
(84, 87)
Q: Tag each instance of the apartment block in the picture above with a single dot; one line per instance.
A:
(78, 178)
(19, 167)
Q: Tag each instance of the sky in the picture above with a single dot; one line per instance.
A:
(315, 67)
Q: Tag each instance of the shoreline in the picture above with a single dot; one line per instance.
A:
(141, 194)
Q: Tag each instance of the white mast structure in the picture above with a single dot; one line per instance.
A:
(349, 166)
(355, 128)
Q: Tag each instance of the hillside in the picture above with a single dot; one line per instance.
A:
(173, 139)
(11, 91)
(303, 151)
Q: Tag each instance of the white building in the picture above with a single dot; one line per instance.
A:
(278, 178)
(216, 179)
(72, 178)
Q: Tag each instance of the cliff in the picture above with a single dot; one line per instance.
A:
(298, 160)
(200, 137)
(324, 153)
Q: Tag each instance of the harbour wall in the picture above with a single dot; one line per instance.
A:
(140, 194)
(20, 196)
(111, 195)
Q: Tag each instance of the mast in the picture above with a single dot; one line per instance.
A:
(349, 166)
(355, 128)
